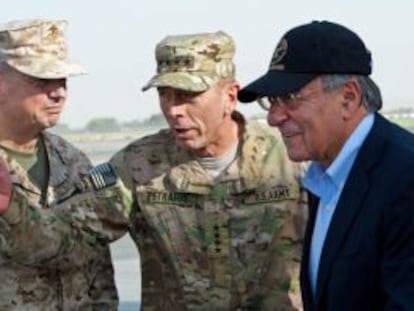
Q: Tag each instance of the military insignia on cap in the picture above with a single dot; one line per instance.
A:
(53, 32)
(278, 54)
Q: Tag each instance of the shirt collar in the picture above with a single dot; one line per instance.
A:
(319, 180)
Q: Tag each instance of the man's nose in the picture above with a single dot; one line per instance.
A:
(277, 115)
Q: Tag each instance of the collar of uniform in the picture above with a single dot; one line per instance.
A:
(64, 162)
(244, 173)
(18, 174)
(59, 165)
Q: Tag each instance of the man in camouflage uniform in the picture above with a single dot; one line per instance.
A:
(218, 216)
(4, 188)
(44, 170)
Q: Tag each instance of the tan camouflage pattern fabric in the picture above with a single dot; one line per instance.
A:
(37, 48)
(87, 218)
(34, 275)
(230, 244)
(193, 62)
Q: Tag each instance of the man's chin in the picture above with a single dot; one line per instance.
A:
(48, 124)
(185, 143)
(53, 120)
(296, 156)
(188, 144)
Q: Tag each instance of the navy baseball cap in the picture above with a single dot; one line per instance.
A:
(308, 51)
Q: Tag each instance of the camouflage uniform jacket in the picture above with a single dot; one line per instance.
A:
(229, 244)
(44, 280)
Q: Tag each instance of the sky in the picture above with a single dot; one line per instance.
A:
(115, 42)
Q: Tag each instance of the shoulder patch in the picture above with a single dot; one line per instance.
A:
(102, 176)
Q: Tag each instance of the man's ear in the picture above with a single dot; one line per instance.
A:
(351, 95)
(231, 89)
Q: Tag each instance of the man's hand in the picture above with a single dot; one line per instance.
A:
(5, 187)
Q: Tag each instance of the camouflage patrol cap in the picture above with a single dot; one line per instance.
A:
(193, 62)
(37, 48)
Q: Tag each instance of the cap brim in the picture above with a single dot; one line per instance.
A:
(274, 83)
(48, 69)
(181, 80)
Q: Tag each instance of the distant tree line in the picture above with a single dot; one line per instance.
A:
(403, 116)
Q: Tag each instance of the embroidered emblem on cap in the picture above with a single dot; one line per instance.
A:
(278, 55)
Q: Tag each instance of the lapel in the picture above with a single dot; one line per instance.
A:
(307, 295)
(351, 200)
(66, 166)
(58, 168)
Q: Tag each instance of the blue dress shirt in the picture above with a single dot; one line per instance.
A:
(327, 184)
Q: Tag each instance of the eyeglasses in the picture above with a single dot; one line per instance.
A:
(288, 101)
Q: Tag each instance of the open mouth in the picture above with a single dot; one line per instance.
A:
(183, 133)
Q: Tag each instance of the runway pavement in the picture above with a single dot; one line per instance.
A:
(127, 273)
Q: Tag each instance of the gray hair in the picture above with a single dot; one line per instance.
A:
(371, 97)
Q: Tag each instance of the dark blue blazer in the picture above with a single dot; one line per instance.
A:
(367, 261)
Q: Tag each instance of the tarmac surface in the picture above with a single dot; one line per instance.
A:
(127, 273)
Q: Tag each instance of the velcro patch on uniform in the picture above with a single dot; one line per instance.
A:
(102, 176)
(176, 198)
(279, 193)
